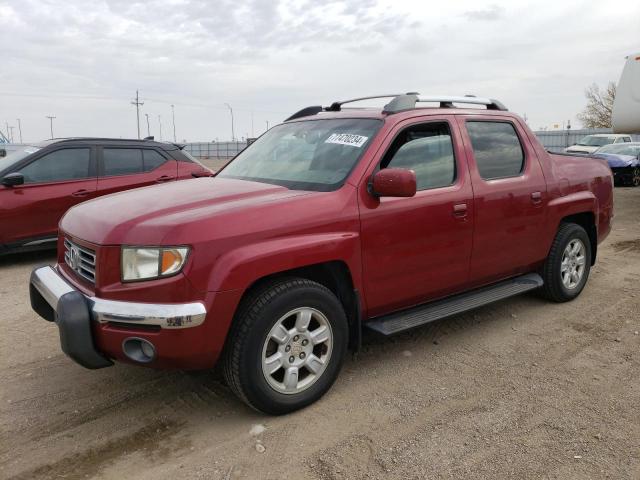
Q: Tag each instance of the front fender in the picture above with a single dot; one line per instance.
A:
(239, 268)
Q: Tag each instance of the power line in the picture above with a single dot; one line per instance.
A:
(138, 104)
(50, 117)
(233, 135)
(173, 116)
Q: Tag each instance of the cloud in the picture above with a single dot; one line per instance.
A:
(83, 61)
(491, 13)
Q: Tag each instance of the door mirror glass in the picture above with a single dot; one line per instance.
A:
(394, 182)
(12, 179)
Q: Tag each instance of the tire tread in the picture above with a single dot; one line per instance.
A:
(250, 308)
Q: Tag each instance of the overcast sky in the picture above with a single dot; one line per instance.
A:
(83, 60)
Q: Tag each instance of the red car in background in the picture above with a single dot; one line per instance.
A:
(39, 183)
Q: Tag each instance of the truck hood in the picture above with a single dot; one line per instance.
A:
(581, 149)
(619, 161)
(146, 215)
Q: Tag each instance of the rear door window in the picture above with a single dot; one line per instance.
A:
(121, 161)
(496, 148)
(152, 160)
(60, 165)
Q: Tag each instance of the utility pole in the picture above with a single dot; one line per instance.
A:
(233, 135)
(51, 117)
(19, 129)
(138, 104)
(160, 124)
(11, 133)
(267, 124)
(8, 132)
(173, 117)
(148, 130)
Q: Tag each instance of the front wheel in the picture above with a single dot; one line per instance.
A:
(286, 346)
(567, 266)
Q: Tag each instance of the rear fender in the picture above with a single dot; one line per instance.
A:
(583, 202)
(571, 204)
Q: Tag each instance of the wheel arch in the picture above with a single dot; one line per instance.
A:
(334, 275)
(586, 220)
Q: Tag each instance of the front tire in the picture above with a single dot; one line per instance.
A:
(567, 266)
(286, 346)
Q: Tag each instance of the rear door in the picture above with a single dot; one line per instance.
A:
(510, 197)
(126, 167)
(53, 182)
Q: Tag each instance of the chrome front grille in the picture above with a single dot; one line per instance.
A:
(81, 260)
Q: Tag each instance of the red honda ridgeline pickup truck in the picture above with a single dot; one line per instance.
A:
(334, 221)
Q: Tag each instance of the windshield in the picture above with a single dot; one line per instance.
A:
(309, 155)
(621, 149)
(593, 141)
(14, 157)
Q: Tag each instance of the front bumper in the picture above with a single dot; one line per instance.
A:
(56, 300)
(622, 174)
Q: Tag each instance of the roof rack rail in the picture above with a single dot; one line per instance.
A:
(408, 101)
(405, 101)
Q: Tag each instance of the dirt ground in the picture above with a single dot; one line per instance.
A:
(520, 389)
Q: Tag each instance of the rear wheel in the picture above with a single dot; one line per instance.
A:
(286, 346)
(635, 177)
(567, 267)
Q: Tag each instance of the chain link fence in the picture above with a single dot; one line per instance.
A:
(215, 150)
(558, 140)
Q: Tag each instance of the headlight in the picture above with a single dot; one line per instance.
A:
(147, 263)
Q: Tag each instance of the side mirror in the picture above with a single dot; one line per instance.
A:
(12, 179)
(394, 182)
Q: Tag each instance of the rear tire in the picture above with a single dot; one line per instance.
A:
(286, 346)
(635, 177)
(567, 266)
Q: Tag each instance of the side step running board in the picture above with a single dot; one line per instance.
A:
(463, 302)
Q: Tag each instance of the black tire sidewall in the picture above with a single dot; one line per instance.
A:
(569, 234)
(255, 387)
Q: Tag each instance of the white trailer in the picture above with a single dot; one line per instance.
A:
(626, 106)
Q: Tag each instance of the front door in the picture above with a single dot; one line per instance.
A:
(53, 183)
(418, 249)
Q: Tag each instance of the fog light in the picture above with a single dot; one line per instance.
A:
(139, 350)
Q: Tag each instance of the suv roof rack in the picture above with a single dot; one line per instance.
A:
(405, 101)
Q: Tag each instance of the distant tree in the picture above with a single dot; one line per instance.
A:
(597, 113)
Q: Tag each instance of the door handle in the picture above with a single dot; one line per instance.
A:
(80, 193)
(201, 173)
(163, 178)
(536, 197)
(460, 210)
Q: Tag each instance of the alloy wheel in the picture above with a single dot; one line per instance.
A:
(297, 350)
(573, 262)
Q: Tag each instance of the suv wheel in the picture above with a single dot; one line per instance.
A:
(567, 267)
(286, 346)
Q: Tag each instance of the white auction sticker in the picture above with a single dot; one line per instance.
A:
(347, 139)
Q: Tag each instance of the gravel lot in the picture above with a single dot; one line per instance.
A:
(520, 389)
